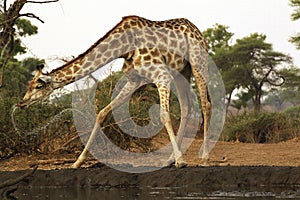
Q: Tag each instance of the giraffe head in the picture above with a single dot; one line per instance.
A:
(39, 87)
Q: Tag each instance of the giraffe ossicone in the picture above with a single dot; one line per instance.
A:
(151, 51)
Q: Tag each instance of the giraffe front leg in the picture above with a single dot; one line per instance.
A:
(125, 93)
(164, 93)
(185, 107)
(100, 117)
(177, 155)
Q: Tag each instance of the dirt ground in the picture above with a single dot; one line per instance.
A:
(269, 168)
(224, 154)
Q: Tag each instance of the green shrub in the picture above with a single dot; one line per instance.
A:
(264, 127)
(32, 126)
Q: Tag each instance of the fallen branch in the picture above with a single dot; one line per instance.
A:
(56, 161)
(61, 161)
(10, 182)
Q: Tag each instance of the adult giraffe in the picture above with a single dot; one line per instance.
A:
(151, 51)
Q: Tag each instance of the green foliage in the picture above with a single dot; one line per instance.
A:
(296, 5)
(249, 65)
(25, 27)
(295, 16)
(217, 38)
(290, 90)
(262, 127)
(32, 128)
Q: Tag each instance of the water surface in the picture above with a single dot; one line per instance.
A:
(148, 193)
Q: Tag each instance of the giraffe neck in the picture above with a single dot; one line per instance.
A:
(106, 49)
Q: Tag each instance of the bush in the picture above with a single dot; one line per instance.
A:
(262, 128)
(32, 127)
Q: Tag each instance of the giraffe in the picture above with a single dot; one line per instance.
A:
(151, 50)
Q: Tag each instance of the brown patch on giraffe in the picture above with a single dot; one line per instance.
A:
(123, 38)
(68, 71)
(102, 48)
(143, 72)
(143, 51)
(75, 68)
(172, 34)
(156, 61)
(156, 73)
(114, 44)
(173, 43)
(127, 25)
(97, 63)
(85, 66)
(155, 53)
(108, 54)
(162, 37)
(92, 56)
(152, 68)
(133, 23)
(60, 75)
(151, 38)
(147, 58)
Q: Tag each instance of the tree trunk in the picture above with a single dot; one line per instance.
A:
(257, 102)
(228, 101)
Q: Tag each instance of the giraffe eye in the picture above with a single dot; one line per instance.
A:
(39, 87)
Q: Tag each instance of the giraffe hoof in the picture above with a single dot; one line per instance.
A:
(77, 164)
(169, 162)
(206, 162)
(74, 166)
(180, 164)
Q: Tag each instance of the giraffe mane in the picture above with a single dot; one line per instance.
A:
(80, 56)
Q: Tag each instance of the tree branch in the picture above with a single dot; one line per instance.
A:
(31, 15)
(277, 84)
(5, 4)
(43, 1)
(10, 43)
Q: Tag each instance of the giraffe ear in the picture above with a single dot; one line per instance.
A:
(39, 67)
(38, 71)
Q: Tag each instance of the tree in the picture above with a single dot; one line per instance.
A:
(295, 16)
(250, 66)
(12, 27)
(258, 65)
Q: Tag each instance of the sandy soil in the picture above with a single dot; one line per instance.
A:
(224, 154)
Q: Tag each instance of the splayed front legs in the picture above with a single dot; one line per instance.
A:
(126, 92)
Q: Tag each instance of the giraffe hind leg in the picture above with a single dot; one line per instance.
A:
(206, 109)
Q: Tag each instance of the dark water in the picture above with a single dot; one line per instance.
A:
(148, 193)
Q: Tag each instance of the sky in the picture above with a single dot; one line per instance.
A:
(72, 26)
